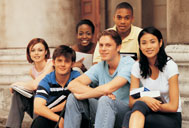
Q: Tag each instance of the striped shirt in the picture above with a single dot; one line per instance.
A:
(51, 91)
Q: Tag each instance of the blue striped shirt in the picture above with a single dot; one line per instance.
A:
(51, 91)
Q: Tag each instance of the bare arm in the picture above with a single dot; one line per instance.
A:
(30, 73)
(172, 106)
(80, 84)
(33, 84)
(41, 109)
(151, 102)
(154, 104)
(105, 89)
(59, 107)
(135, 83)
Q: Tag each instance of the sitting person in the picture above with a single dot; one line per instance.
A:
(84, 47)
(52, 90)
(38, 54)
(123, 19)
(108, 101)
(158, 72)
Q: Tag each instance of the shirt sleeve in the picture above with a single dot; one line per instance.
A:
(92, 73)
(125, 69)
(96, 55)
(135, 71)
(171, 68)
(43, 89)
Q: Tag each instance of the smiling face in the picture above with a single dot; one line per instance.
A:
(84, 35)
(62, 65)
(150, 46)
(38, 52)
(107, 48)
(123, 19)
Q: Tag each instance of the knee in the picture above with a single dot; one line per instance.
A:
(104, 100)
(70, 100)
(140, 106)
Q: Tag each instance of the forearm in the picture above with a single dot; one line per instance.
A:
(59, 107)
(93, 93)
(78, 87)
(27, 85)
(167, 107)
(47, 113)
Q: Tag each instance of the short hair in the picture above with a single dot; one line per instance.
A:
(87, 22)
(124, 5)
(113, 34)
(161, 56)
(32, 43)
(65, 51)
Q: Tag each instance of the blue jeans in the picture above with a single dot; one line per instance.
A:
(109, 113)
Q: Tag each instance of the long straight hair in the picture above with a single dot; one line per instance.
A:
(161, 56)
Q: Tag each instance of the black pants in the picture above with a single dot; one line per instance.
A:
(154, 119)
(41, 122)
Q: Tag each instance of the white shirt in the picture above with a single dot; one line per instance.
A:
(161, 83)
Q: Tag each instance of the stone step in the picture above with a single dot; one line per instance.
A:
(16, 68)
(5, 100)
(8, 79)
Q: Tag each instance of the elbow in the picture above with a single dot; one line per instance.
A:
(70, 86)
(37, 110)
(35, 87)
(107, 90)
(175, 109)
(130, 105)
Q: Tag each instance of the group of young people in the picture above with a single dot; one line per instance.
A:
(101, 93)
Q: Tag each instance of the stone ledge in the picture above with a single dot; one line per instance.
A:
(179, 53)
(4, 115)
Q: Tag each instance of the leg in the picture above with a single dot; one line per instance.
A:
(110, 113)
(136, 120)
(74, 110)
(19, 105)
(168, 120)
(136, 117)
(41, 122)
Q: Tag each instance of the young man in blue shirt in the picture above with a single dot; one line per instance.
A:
(52, 90)
(108, 100)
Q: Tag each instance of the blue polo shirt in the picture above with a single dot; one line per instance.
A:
(51, 91)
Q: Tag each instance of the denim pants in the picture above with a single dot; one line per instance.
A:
(105, 112)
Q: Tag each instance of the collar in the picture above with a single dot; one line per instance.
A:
(130, 36)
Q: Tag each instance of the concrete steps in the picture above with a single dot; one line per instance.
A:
(13, 67)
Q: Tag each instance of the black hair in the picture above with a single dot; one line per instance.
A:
(65, 51)
(87, 22)
(124, 5)
(161, 56)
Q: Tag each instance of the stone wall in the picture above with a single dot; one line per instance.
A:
(22, 20)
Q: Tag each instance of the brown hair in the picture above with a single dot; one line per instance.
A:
(113, 34)
(32, 43)
(65, 51)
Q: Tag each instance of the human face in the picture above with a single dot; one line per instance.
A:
(123, 19)
(38, 52)
(62, 65)
(107, 48)
(84, 35)
(150, 46)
